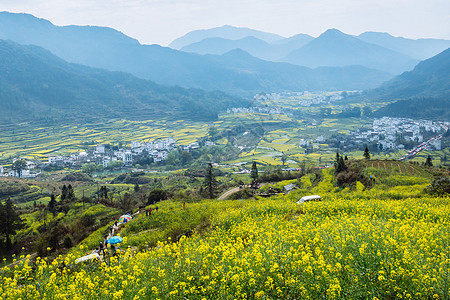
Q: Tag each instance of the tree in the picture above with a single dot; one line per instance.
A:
(64, 192)
(52, 205)
(115, 164)
(254, 172)
(439, 187)
(339, 164)
(18, 166)
(429, 162)
(366, 153)
(284, 158)
(156, 195)
(89, 168)
(210, 181)
(70, 192)
(10, 221)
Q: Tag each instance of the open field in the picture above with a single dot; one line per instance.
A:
(359, 244)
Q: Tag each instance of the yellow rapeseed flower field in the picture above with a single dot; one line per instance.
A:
(345, 247)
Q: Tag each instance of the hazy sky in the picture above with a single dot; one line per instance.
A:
(161, 21)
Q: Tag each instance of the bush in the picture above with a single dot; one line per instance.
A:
(439, 187)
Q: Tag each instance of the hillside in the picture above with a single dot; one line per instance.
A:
(109, 49)
(334, 48)
(279, 77)
(422, 93)
(271, 247)
(254, 46)
(37, 84)
(430, 78)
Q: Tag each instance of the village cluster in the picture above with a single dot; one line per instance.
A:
(157, 151)
(387, 134)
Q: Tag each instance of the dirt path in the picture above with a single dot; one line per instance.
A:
(229, 193)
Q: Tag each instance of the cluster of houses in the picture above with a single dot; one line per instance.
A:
(157, 151)
(389, 132)
(30, 170)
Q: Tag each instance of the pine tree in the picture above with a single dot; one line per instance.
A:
(70, 192)
(10, 221)
(429, 162)
(366, 153)
(64, 192)
(210, 181)
(254, 172)
(52, 205)
(339, 164)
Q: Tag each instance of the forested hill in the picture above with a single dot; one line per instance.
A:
(37, 84)
(422, 93)
(430, 78)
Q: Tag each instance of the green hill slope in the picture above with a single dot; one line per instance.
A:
(37, 84)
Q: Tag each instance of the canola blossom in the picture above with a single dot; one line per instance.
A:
(341, 248)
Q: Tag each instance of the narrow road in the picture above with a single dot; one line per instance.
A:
(228, 193)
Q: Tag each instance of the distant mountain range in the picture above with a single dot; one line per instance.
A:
(332, 48)
(36, 84)
(224, 32)
(235, 72)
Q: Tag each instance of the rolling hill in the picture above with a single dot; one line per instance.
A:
(37, 84)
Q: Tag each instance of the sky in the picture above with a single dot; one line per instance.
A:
(162, 21)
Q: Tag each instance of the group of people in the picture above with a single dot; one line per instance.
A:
(149, 211)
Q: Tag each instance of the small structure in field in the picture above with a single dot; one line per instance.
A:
(309, 198)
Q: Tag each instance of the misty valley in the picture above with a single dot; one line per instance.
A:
(232, 164)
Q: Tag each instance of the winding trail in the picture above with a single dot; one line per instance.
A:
(229, 193)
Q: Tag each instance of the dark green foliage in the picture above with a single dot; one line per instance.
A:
(428, 162)
(278, 175)
(12, 188)
(339, 164)
(156, 195)
(210, 181)
(10, 221)
(52, 205)
(76, 176)
(352, 173)
(254, 172)
(418, 108)
(244, 193)
(68, 242)
(63, 192)
(439, 187)
(366, 153)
